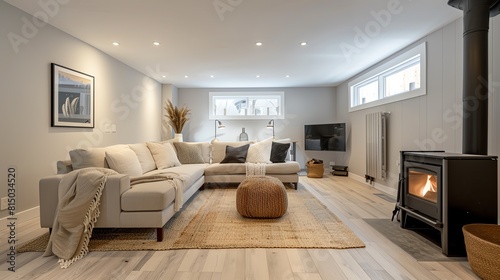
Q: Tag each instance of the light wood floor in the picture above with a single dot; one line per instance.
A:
(348, 199)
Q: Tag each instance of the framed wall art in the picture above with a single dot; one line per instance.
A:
(72, 98)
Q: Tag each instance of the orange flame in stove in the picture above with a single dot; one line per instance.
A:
(429, 186)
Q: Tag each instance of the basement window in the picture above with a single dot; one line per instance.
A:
(246, 105)
(400, 78)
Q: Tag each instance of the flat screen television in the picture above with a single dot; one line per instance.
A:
(325, 137)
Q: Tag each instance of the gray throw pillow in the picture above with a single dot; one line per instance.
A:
(188, 153)
(236, 154)
(279, 152)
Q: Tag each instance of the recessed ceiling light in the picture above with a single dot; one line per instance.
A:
(258, 44)
(116, 44)
(156, 43)
(163, 76)
(288, 76)
(258, 76)
(186, 76)
(303, 43)
(211, 76)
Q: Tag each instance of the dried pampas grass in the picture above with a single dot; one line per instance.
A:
(176, 117)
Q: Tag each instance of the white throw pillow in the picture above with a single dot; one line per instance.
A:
(144, 155)
(260, 152)
(164, 155)
(124, 161)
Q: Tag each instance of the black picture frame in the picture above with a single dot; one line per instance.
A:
(72, 98)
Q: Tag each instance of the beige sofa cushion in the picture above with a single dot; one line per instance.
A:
(206, 150)
(188, 153)
(91, 157)
(124, 161)
(190, 173)
(260, 152)
(82, 158)
(154, 196)
(205, 147)
(289, 167)
(219, 149)
(144, 155)
(163, 154)
(64, 166)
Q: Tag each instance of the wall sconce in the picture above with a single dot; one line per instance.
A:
(218, 124)
(270, 124)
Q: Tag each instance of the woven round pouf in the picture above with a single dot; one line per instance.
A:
(261, 197)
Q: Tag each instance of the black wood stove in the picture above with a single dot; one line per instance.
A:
(445, 191)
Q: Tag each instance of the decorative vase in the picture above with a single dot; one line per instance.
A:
(243, 135)
(178, 137)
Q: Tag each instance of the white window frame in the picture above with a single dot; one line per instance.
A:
(280, 95)
(386, 69)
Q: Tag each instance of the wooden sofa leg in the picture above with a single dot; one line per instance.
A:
(159, 234)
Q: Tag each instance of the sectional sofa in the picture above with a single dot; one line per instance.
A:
(151, 204)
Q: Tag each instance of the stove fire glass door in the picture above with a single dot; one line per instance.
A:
(423, 189)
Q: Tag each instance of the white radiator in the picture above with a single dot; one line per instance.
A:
(376, 146)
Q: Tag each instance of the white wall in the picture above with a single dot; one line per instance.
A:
(123, 97)
(302, 106)
(433, 121)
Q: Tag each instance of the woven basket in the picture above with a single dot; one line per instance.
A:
(482, 242)
(315, 170)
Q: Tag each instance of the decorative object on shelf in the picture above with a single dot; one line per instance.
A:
(218, 124)
(72, 98)
(176, 118)
(270, 124)
(243, 135)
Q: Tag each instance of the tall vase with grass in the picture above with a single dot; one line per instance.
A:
(176, 118)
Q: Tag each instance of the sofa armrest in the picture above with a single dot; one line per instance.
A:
(48, 198)
(110, 207)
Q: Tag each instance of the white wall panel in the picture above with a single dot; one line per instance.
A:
(434, 99)
(450, 107)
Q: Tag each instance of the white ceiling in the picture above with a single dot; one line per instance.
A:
(199, 40)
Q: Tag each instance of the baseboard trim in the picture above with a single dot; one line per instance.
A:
(21, 216)
(388, 190)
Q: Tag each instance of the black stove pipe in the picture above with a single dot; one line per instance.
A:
(475, 76)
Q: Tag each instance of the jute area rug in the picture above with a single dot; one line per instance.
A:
(210, 220)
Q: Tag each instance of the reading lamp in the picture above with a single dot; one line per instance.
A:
(218, 124)
(270, 124)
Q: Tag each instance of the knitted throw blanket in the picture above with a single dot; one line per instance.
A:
(174, 179)
(80, 193)
(255, 169)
